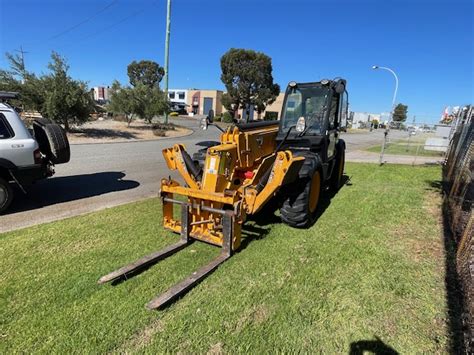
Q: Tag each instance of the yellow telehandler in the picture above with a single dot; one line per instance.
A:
(288, 162)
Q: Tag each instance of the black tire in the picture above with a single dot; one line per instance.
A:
(43, 121)
(6, 195)
(296, 210)
(338, 170)
(58, 144)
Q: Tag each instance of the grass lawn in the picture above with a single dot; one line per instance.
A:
(372, 267)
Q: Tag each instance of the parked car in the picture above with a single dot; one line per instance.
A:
(27, 156)
(178, 107)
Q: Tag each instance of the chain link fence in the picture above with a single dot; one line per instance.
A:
(457, 208)
(422, 145)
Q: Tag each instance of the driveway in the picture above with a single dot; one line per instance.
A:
(106, 175)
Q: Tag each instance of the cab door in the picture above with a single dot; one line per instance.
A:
(331, 132)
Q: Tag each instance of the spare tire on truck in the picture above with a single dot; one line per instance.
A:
(52, 140)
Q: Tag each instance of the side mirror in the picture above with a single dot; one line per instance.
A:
(204, 123)
(340, 88)
(210, 116)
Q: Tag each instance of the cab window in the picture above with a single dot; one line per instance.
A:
(333, 111)
(5, 129)
(344, 110)
(306, 102)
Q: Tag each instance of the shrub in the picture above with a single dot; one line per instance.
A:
(227, 117)
(218, 118)
(159, 132)
(159, 129)
(163, 127)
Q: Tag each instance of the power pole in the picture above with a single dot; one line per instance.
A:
(167, 52)
(22, 56)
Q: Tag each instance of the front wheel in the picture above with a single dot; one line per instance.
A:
(6, 195)
(302, 197)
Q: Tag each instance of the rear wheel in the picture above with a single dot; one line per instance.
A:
(6, 195)
(59, 144)
(52, 140)
(302, 197)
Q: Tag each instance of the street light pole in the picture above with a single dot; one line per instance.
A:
(384, 143)
(167, 52)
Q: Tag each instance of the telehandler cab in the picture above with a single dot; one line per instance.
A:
(288, 162)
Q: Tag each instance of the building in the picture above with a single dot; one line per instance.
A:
(178, 95)
(101, 94)
(199, 102)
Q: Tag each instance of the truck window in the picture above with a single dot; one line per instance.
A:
(5, 129)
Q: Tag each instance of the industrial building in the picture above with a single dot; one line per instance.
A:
(200, 102)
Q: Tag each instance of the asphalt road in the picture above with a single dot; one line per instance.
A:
(105, 175)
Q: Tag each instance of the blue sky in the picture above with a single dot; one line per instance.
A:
(428, 43)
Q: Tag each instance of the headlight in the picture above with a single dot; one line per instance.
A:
(300, 124)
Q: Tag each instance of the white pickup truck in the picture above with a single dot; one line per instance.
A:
(25, 156)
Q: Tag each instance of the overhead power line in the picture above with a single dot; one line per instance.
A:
(98, 32)
(62, 33)
(104, 29)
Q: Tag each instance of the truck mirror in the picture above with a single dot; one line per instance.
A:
(340, 88)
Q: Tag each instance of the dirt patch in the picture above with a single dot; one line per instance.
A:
(107, 131)
(142, 338)
(216, 349)
(255, 315)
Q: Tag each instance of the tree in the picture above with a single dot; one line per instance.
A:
(139, 101)
(18, 79)
(67, 101)
(146, 72)
(55, 95)
(400, 113)
(247, 76)
(123, 101)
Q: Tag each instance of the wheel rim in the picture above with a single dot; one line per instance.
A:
(3, 195)
(314, 192)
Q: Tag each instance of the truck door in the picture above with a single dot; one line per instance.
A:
(343, 112)
(332, 126)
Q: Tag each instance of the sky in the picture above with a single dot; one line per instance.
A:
(428, 43)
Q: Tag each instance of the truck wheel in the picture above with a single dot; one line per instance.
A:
(6, 195)
(302, 197)
(58, 143)
(43, 121)
(338, 170)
